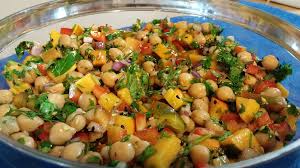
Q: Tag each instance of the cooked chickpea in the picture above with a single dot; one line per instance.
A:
(57, 99)
(56, 151)
(149, 67)
(138, 144)
(115, 53)
(109, 78)
(40, 82)
(185, 80)
(76, 74)
(225, 93)
(200, 39)
(84, 66)
(216, 128)
(73, 151)
(250, 80)
(76, 120)
(248, 153)
(57, 88)
(213, 84)
(121, 43)
(154, 39)
(142, 36)
(199, 153)
(197, 90)
(200, 104)
(122, 151)
(30, 76)
(245, 56)
(65, 40)
(6, 96)
(20, 100)
(90, 154)
(271, 92)
(270, 62)
(9, 125)
(61, 133)
(200, 117)
(190, 125)
(4, 108)
(267, 142)
(197, 27)
(206, 27)
(29, 124)
(25, 139)
(106, 67)
(105, 152)
(85, 48)
(86, 100)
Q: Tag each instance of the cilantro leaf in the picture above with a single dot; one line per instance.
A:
(148, 152)
(93, 159)
(206, 63)
(125, 138)
(281, 72)
(168, 77)
(45, 146)
(292, 110)
(22, 47)
(224, 136)
(137, 26)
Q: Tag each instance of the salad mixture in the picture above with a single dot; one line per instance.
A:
(157, 95)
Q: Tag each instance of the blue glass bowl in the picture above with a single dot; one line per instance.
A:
(260, 33)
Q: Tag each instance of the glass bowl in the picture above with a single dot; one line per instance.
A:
(260, 32)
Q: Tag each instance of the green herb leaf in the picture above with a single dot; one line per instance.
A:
(21, 140)
(209, 88)
(125, 138)
(156, 21)
(148, 152)
(22, 47)
(281, 72)
(206, 63)
(169, 77)
(195, 45)
(171, 31)
(113, 163)
(45, 146)
(164, 134)
(137, 26)
(93, 159)
(114, 35)
(242, 108)
(69, 108)
(48, 46)
(224, 136)
(292, 110)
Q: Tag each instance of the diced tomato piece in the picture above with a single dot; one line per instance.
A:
(47, 126)
(44, 131)
(179, 60)
(178, 45)
(210, 75)
(263, 85)
(233, 125)
(253, 126)
(146, 49)
(42, 68)
(66, 31)
(252, 69)
(123, 107)
(151, 135)
(263, 120)
(74, 94)
(83, 136)
(282, 129)
(201, 165)
(99, 91)
(140, 121)
(169, 131)
(199, 131)
(44, 136)
(230, 116)
(98, 36)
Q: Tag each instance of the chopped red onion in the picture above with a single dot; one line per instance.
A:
(117, 66)
(125, 62)
(87, 39)
(36, 50)
(99, 45)
(196, 74)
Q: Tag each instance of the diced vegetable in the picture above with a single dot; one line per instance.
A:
(246, 108)
(115, 133)
(283, 90)
(98, 91)
(66, 31)
(174, 98)
(140, 121)
(99, 57)
(146, 49)
(150, 134)
(126, 122)
(87, 83)
(62, 77)
(50, 55)
(124, 94)
(211, 144)
(162, 51)
(19, 88)
(171, 120)
(109, 101)
(217, 108)
(54, 35)
(258, 88)
(78, 30)
(98, 36)
(263, 120)
(133, 43)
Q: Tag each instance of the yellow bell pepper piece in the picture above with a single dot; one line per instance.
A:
(166, 151)
(195, 57)
(284, 91)
(133, 44)
(243, 139)
(78, 30)
(50, 55)
(19, 88)
(142, 107)
(87, 83)
(211, 144)
(217, 108)
(162, 51)
(61, 78)
(291, 120)
(180, 32)
(115, 133)
(124, 94)
(109, 101)
(99, 57)
(127, 122)
(247, 108)
(187, 39)
(174, 98)
(54, 35)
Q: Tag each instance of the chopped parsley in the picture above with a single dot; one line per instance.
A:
(209, 88)
(45, 146)
(156, 21)
(113, 163)
(281, 72)
(292, 110)
(171, 31)
(93, 159)
(22, 47)
(21, 140)
(113, 35)
(224, 136)
(148, 152)
(195, 45)
(206, 63)
(137, 26)
(125, 138)
(169, 77)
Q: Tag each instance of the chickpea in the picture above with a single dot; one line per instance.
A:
(270, 62)
(197, 90)
(138, 144)
(4, 108)
(90, 154)
(127, 50)
(181, 25)
(57, 99)
(142, 36)
(58, 88)
(86, 100)
(115, 53)
(61, 133)
(213, 84)
(197, 27)
(245, 56)
(30, 76)
(109, 79)
(190, 125)
(28, 124)
(149, 67)
(200, 104)
(40, 82)
(200, 39)
(250, 80)
(212, 49)
(65, 40)
(85, 48)
(6, 96)
(199, 153)
(106, 67)
(216, 128)
(266, 141)
(76, 120)
(199, 117)
(24, 139)
(154, 39)
(277, 104)
(56, 151)
(105, 152)
(225, 93)
(248, 153)
(206, 27)
(9, 125)
(121, 43)
(75, 74)
(185, 80)
(84, 66)
(20, 100)
(73, 151)
(271, 92)
(122, 151)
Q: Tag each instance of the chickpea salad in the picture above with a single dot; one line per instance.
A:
(156, 95)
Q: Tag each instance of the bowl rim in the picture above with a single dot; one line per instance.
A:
(66, 163)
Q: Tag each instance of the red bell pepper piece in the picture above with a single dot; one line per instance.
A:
(146, 49)
(66, 31)
(151, 135)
